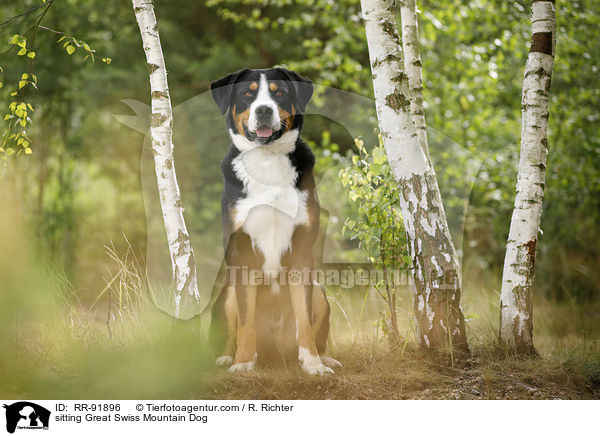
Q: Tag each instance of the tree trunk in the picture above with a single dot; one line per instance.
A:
(412, 63)
(435, 270)
(516, 306)
(161, 134)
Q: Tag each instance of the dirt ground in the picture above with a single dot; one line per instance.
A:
(386, 376)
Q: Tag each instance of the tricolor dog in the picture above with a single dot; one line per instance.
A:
(267, 310)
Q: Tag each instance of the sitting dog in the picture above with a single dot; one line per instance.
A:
(269, 307)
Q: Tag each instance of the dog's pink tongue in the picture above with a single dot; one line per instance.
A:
(264, 132)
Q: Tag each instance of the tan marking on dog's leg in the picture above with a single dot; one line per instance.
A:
(307, 350)
(245, 355)
(320, 312)
(231, 313)
(319, 308)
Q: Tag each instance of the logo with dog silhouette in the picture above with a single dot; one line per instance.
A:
(26, 415)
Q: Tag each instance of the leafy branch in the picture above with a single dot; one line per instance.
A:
(378, 226)
(14, 139)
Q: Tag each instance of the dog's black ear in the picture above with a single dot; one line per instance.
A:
(303, 87)
(221, 90)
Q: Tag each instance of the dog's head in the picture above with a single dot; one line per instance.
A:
(264, 107)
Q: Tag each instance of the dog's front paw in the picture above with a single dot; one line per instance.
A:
(311, 364)
(315, 368)
(330, 361)
(224, 361)
(242, 367)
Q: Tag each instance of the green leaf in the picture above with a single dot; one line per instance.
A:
(70, 49)
(379, 155)
(31, 55)
(19, 40)
(22, 52)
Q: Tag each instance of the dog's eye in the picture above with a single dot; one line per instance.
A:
(279, 93)
(248, 94)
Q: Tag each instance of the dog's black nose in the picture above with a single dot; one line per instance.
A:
(264, 111)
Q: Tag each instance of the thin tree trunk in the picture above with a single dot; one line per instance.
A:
(414, 69)
(435, 269)
(161, 134)
(516, 306)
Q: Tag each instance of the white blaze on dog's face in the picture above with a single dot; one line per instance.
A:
(264, 114)
(264, 107)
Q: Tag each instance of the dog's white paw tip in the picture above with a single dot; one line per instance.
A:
(317, 369)
(242, 367)
(224, 360)
(330, 361)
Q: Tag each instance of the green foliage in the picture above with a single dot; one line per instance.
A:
(473, 56)
(14, 137)
(322, 39)
(473, 60)
(71, 44)
(378, 224)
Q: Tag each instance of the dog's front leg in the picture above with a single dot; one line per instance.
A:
(308, 356)
(245, 355)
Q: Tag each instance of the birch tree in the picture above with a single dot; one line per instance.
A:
(161, 135)
(414, 69)
(516, 305)
(435, 269)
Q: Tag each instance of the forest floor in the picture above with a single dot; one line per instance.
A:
(173, 365)
(387, 376)
(60, 349)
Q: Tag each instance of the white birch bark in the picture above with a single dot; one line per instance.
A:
(516, 306)
(435, 269)
(414, 69)
(161, 135)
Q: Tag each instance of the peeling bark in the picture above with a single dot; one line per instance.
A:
(186, 296)
(516, 308)
(435, 268)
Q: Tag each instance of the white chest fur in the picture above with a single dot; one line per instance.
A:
(273, 207)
